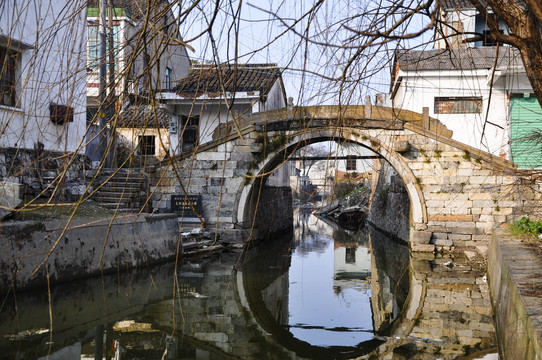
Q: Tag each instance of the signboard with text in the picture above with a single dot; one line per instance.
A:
(180, 205)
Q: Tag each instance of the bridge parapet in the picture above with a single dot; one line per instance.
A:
(340, 116)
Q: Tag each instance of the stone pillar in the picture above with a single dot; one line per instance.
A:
(425, 118)
(368, 107)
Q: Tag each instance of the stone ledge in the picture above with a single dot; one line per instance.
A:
(511, 267)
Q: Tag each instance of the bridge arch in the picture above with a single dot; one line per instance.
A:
(243, 210)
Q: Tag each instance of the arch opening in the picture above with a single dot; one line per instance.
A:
(247, 197)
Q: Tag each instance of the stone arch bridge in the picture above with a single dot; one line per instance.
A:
(457, 193)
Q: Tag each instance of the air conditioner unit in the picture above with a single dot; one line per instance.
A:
(60, 114)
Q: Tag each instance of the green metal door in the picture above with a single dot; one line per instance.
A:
(525, 123)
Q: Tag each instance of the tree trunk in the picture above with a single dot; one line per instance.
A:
(524, 19)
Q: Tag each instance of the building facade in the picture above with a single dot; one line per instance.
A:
(147, 56)
(42, 77)
(211, 97)
(477, 89)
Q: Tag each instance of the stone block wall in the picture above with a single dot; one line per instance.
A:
(467, 193)
(219, 174)
(458, 194)
(38, 172)
(274, 213)
(514, 271)
(390, 207)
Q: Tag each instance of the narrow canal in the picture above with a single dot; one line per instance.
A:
(320, 293)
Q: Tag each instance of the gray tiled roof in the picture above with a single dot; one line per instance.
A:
(143, 116)
(456, 4)
(458, 59)
(204, 79)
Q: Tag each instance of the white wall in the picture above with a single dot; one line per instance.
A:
(280, 177)
(275, 97)
(52, 71)
(211, 114)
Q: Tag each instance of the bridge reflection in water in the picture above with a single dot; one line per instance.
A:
(275, 302)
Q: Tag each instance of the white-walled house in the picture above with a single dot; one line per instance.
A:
(455, 84)
(210, 96)
(322, 168)
(478, 90)
(42, 77)
(42, 100)
(148, 57)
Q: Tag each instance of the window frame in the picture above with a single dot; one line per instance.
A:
(147, 145)
(485, 37)
(189, 131)
(168, 78)
(9, 64)
(351, 163)
(457, 105)
(93, 46)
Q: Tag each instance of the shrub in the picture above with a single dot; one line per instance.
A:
(527, 226)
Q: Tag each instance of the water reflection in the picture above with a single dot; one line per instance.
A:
(321, 294)
(327, 285)
(329, 299)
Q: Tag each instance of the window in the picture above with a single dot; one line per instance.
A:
(94, 45)
(350, 255)
(190, 131)
(8, 86)
(168, 78)
(486, 40)
(458, 105)
(351, 163)
(146, 145)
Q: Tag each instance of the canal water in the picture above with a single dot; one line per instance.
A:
(319, 293)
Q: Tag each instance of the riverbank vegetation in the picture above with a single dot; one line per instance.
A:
(529, 231)
(528, 227)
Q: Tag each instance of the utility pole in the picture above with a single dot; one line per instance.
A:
(112, 94)
(102, 89)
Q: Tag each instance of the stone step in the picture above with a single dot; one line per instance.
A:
(113, 199)
(124, 181)
(135, 175)
(120, 187)
(124, 187)
(120, 190)
(123, 206)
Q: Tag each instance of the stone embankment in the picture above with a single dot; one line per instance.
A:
(34, 253)
(515, 281)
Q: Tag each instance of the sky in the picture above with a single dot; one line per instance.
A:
(276, 31)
